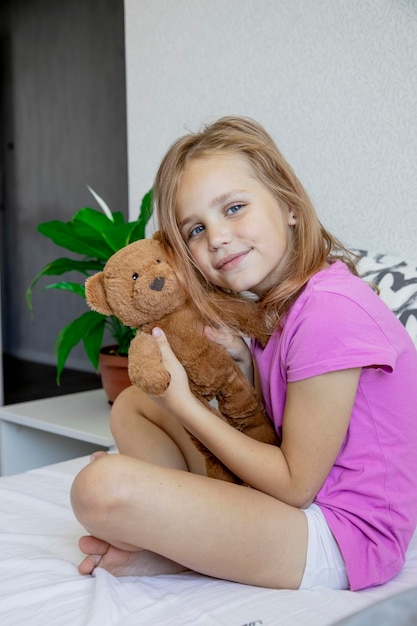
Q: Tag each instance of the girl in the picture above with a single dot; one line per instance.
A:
(336, 504)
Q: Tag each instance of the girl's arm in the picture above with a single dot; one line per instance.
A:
(315, 422)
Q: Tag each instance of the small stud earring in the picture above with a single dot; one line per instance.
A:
(293, 219)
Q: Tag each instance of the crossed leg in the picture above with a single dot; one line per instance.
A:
(159, 514)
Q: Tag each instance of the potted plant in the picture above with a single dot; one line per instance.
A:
(95, 235)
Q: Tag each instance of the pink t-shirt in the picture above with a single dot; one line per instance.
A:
(369, 498)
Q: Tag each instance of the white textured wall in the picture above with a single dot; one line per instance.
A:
(334, 81)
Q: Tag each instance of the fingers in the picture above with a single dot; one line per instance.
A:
(233, 344)
(169, 359)
(162, 341)
(178, 390)
(220, 336)
(214, 334)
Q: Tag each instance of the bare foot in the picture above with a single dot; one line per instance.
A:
(123, 562)
(102, 554)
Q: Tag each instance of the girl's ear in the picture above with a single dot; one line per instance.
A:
(292, 218)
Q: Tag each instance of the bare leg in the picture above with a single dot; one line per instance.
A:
(210, 526)
(142, 431)
(151, 510)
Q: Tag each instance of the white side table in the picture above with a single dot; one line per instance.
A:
(41, 432)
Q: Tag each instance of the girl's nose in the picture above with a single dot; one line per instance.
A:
(218, 236)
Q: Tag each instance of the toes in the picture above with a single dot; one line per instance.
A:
(88, 565)
(92, 546)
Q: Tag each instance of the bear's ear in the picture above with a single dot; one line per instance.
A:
(157, 235)
(95, 294)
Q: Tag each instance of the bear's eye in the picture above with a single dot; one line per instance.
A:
(158, 260)
(135, 276)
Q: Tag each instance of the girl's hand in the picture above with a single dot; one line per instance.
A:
(178, 390)
(233, 344)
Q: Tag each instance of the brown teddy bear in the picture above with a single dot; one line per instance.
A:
(140, 287)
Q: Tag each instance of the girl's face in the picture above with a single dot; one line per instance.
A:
(236, 231)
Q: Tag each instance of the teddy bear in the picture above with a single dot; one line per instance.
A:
(139, 286)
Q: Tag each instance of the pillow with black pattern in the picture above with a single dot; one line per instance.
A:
(397, 281)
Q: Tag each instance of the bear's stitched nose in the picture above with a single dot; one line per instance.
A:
(157, 284)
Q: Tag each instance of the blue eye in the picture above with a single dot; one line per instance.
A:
(235, 208)
(196, 231)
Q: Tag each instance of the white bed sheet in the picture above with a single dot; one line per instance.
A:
(39, 582)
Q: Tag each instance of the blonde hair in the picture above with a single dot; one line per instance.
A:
(309, 245)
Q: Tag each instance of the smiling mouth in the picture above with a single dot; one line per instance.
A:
(231, 261)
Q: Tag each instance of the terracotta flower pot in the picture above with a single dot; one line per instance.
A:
(113, 372)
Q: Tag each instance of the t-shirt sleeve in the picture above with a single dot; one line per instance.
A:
(333, 332)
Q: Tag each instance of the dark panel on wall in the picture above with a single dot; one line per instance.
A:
(63, 127)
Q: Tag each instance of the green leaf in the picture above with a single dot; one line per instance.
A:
(97, 220)
(96, 235)
(64, 264)
(83, 234)
(122, 334)
(93, 342)
(68, 286)
(79, 329)
(103, 237)
(60, 266)
(119, 236)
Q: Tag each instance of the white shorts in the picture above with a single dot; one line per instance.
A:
(325, 566)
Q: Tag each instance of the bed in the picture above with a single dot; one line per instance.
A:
(39, 582)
